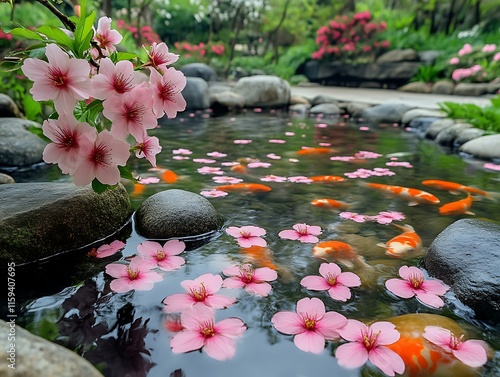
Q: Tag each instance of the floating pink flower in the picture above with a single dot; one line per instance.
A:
(386, 217)
(148, 180)
(165, 257)
(353, 216)
(342, 158)
(62, 79)
(137, 275)
(203, 160)
(415, 284)
(148, 147)
(258, 164)
(311, 324)
(333, 280)
(251, 280)
(273, 178)
(277, 141)
(115, 79)
(69, 137)
(273, 156)
(471, 352)
(201, 331)
(210, 170)
(182, 151)
(200, 291)
(404, 164)
(302, 232)
(167, 92)
(248, 236)
(299, 179)
(105, 37)
(242, 141)
(226, 179)
(289, 133)
(491, 166)
(216, 154)
(213, 193)
(369, 343)
(106, 250)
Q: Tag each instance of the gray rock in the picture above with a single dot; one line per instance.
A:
(196, 94)
(448, 135)
(299, 109)
(4, 178)
(176, 214)
(466, 256)
(443, 87)
(226, 101)
(422, 124)
(299, 100)
(8, 107)
(395, 56)
(416, 87)
(263, 91)
(418, 113)
(429, 57)
(437, 126)
(470, 89)
(486, 147)
(38, 357)
(468, 135)
(214, 88)
(18, 145)
(40, 220)
(493, 87)
(385, 113)
(355, 108)
(200, 70)
(325, 108)
(318, 100)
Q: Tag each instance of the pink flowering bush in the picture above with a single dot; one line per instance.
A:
(478, 64)
(351, 39)
(105, 101)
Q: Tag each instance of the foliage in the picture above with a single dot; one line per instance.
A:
(486, 118)
(351, 39)
(428, 73)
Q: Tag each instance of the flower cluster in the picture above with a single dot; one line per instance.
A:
(145, 35)
(351, 39)
(200, 50)
(105, 104)
(475, 63)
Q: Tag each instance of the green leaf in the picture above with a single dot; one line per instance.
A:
(32, 108)
(56, 34)
(126, 173)
(100, 187)
(25, 33)
(83, 34)
(126, 56)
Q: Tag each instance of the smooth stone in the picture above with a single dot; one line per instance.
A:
(448, 135)
(385, 113)
(487, 147)
(437, 126)
(417, 113)
(196, 94)
(263, 91)
(18, 145)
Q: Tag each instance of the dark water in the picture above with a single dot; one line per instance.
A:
(123, 334)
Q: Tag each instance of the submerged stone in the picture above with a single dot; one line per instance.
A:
(466, 256)
(41, 220)
(177, 214)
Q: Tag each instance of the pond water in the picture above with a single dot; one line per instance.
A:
(124, 333)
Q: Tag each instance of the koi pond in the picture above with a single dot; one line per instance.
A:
(130, 333)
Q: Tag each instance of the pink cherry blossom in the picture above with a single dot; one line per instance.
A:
(299, 179)
(167, 90)
(165, 257)
(101, 160)
(489, 48)
(115, 79)
(289, 133)
(466, 49)
(148, 147)
(415, 284)
(273, 156)
(273, 178)
(105, 37)
(106, 250)
(62, 79)
(404, 164)
(200, 291)
(137, 275)
(334, 281)
(148, 180)
(159, 56)
(386, 217)
(213, 193)
(367, 154)
(182, 151)
(258, 164)
(226, 179)
(203, 160)
(248, 235)
(69, 137)
(216, 154)
(369, 343)
(353, 216)
(131, 113)
(210, 170)
(201, 331)
(491, 166)
(242, 141)
(311, 324)
(471, 352)
(302, 232)
(342, 158)
(251, 280)
(277, 141)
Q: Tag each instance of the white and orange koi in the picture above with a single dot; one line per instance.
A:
(456, 188)
(329, 203)
(406, 244)
(327, 178)
(459, 207)
(340, 252)
(413, 195)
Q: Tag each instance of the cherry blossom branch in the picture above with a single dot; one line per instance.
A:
(64, 19)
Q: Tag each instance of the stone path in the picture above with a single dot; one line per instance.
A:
(379, 96)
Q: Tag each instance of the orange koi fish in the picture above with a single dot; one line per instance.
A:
(413, 195)
(168, 176)
(329, 203)
(314, 151)
(251, 187)
(260, 255)
(456, 188)
(327, 178)
(138, 189)
(241, 169)
(407, 243)
(339, 251)
(458, 207)
(421, 357)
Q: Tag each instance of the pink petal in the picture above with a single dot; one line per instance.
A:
(340, 293)
(307, 306)
(174, 247)
(265, 274)
(211, 282)
(315, 283)
(196, 315)
(326, 269)
(289, 234)
(186, 341)
(233, 282)
(260, 289)
(252, 241)
(120, 285)
(171, 263)
(314, 230)
(351, 355)
(178, 302)
(353, 331)
(430, 299)
(472, 352)
(308, 239)
(408, 272)
(400, 288)
(387, 360)
(387, 333)
(330, 325)
(220, 347)
(435, 286)
(232, 327)
(349, 279)
(288, 323)
(438, 335)
(116, 270)
(310, 341)
(219, 302)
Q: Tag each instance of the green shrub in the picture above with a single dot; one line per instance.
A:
(486, 118)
